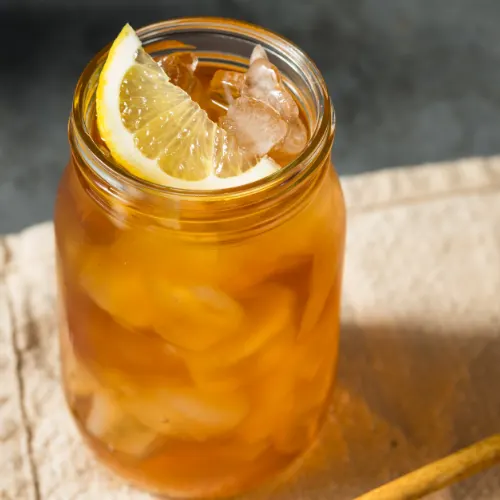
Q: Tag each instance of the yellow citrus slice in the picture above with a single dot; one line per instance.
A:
(157, 132)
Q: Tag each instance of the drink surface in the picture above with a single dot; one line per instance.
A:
(206, 87)
(152, 115)
(199, 365)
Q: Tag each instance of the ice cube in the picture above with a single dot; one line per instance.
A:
(186, 412)
(117, 430)
(180, 67)
(120, 290)
(228, 154)
(262, 342)
(257, 127)
(263, 82)
(269, 313)
(258, 53)
(226, 86)
(295, 140)
(194, 318)
(120, 278)
(272, 307)
(261, 79)
(115, 354)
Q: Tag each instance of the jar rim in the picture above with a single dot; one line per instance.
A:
(314, 153)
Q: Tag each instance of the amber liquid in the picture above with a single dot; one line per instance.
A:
(198, 368)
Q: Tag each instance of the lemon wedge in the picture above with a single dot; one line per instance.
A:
(157, 132)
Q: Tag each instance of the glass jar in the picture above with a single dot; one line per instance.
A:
(199, 330)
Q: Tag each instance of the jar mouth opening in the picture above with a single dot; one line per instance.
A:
(317, 148)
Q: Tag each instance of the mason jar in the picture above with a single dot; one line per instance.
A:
(199, 329)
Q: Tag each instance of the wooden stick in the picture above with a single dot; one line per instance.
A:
(435, 476)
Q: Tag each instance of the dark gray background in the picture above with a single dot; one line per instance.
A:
(412, 80)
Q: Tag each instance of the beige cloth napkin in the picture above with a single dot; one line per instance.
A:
(420, 351)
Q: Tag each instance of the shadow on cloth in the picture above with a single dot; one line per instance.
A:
(406, 394)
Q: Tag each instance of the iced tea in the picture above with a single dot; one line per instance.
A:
(199, 333)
